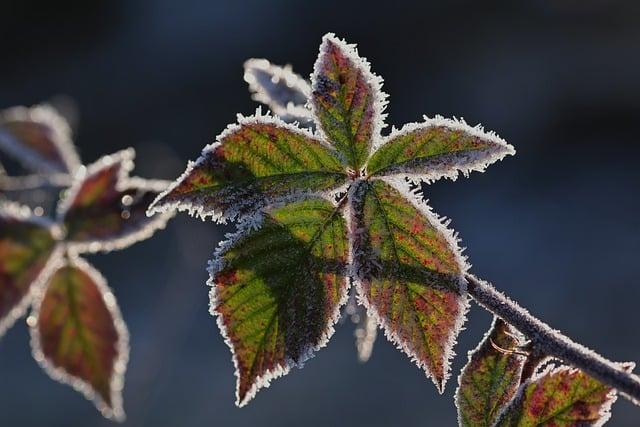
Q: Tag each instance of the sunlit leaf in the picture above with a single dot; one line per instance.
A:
(39, 138)
(106, 210)
(560, 397)
(26, 247)
(283, 91)
(491, 377)
(277, 290)
(78, 335)
(410, 274)
(347, 100)
(435, 149)
(260, 160)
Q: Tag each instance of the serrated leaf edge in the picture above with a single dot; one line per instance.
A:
(116, 382)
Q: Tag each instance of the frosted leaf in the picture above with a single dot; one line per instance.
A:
(39, 138)
(409, 275)
(491, 377)
(78, 335)
(277, 290)
(27, 249)
(282, 90)
(105, 209)
(258, 161)
(437, 148)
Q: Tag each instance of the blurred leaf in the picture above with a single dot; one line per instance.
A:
(256, 162)
(491, 377)
(105, 209)
(437, 148)
(39, 138)
(347, 100)
(78, 335)
(26, 246)
(277, 290)
(410, 275)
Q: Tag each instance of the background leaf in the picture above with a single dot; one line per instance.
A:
(491, 377)
(410, 275)
(26, 247)
(78, 335)
(106, 210)
(277, 290)
(261, 159)
(347, 100)
(39, 138)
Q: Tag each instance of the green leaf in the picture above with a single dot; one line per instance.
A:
(106, 210)
(491, 377)
(410, 274)
(277, 290)
(78, 336)
(26, 247)
(258, 161)
(435, 149)
(38, 137)
(560, 397)
(347, 100)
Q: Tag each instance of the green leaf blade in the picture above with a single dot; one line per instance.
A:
(254, 163)
(347, 100)
(276, 290)
(435, 149)
(491, 377)
(410, 275)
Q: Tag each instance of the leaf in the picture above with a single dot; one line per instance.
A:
(27, 245)
(277, 290)
(38, 137)
(258, 161)
(410, 275)
(435, 149)
(78, 335)
(491, 377)
(106, 210)
(347, 100)
(282, 90)
(560, 397)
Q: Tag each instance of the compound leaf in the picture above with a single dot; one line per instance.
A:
(435, 149)
(258, 161)
(78, 336)
(39, 138)
(347, 100)
(27, 245)
(282, 90)
(410, 274)
(106, 210)
(562, 397)
(277, 290)
(491, 377)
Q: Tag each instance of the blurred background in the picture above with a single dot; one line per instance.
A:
(557, 227)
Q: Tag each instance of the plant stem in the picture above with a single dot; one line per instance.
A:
(33, 182)
(552, 342)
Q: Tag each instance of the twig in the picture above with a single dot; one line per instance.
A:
(33, 182)
(552, 342)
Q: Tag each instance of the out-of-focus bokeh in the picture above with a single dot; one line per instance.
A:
(557, 227)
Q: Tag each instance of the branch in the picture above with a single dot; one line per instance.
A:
(552, 342)
(33, 182)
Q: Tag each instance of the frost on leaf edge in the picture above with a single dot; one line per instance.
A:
(116, 382)
(217, 264)
(47, 115)
(481, 158)
(124, 182)
(441, 224)
(24, 213)
(235, 213)
(375, 81)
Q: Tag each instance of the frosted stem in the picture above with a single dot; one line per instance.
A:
(34, 182)
(552, 342)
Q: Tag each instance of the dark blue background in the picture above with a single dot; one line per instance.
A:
(556, 227)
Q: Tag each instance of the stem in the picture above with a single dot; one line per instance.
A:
(552, 342)
(33, 182)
